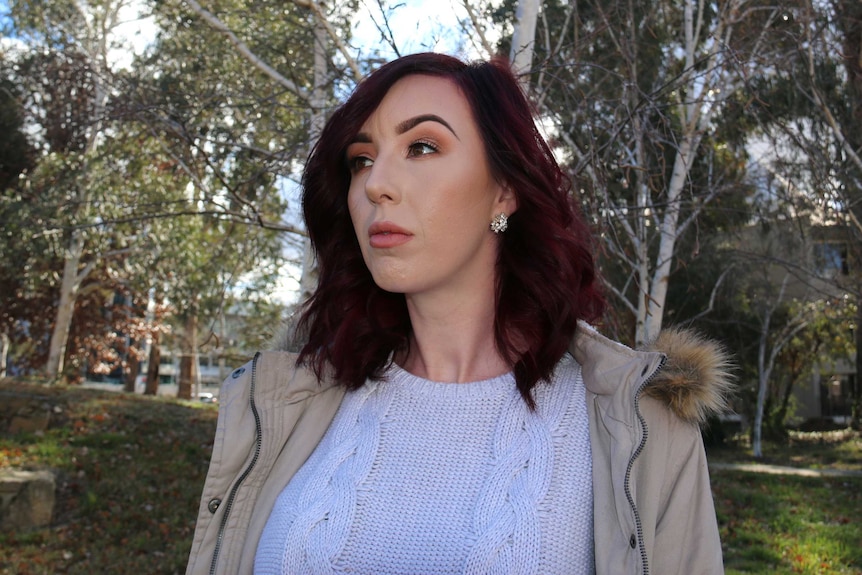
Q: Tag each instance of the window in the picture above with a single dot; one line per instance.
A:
(830, 259)
(836, 395)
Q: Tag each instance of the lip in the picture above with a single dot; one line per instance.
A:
(387, 235)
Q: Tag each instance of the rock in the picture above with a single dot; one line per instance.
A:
(25, 413)
(33, 422)
(26, 499)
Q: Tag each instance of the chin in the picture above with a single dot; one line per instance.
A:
(392, 286)
(394, 282)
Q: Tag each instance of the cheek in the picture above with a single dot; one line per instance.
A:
(354, 207)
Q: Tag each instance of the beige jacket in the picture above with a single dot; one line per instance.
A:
(653, 505)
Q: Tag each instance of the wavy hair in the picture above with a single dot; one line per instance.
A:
(546, 279)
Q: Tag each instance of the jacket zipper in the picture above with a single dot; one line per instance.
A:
(257, 445)
(638, 524)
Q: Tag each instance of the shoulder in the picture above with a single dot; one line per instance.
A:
(275, 376)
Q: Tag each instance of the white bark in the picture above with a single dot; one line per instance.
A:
(321, 22)
(669, 233)
(523, 39)
(308, 280)
(703, 90)
(317, 9)
(245, 51)
(766, 361)
(479, 28)
(101, 25)
(4, 352)
(69, 287)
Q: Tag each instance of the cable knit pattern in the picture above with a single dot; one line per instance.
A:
(507, 512)
(415, 476)
(328, 509)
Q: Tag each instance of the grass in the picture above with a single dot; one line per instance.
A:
(130, 470)
(129, 474)
(787, 524)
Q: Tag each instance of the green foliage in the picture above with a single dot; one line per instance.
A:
(16, 152)
(170, 172)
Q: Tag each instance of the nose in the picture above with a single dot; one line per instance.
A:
(381, 182)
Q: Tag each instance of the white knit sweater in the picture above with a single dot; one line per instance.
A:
(415, 476)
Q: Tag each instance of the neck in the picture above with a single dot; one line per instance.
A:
(453, 338)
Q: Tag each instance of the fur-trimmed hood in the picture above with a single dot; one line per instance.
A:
(689, 373)
(696, 379)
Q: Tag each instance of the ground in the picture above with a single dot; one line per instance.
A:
(130, 470)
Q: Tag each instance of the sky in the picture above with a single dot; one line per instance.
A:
(418, 25)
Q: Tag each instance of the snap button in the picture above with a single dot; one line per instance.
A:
(238, 372)
(633, 542)
(213, 505)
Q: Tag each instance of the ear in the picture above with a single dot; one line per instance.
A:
(505, 200)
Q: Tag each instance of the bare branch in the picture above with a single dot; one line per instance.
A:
(317, 9)
(246, 52)
(480, 30)
(620, 296)
(713, 294)
(225, 215)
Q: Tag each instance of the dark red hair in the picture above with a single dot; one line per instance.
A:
(545, 271)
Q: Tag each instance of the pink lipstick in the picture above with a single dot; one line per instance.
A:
(384, 235)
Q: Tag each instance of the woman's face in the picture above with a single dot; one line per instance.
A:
(421, 194)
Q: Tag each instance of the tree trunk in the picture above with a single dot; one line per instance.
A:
(153, 361)
(308, 279)
(763, 374)
(131, 372)
(523, 39)
(668, 239)
(856, 410)
(4, 352)
(189, 359)
(65, 308)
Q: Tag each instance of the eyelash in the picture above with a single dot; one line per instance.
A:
(419, 144)
(356, 163)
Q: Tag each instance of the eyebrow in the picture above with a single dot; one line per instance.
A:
(411, 123)
(406, 126)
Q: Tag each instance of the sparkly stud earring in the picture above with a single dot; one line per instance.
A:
(499, 223)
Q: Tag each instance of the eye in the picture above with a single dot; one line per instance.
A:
(359, 163)
(421, 149)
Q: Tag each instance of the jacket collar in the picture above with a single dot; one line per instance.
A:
(690, 374)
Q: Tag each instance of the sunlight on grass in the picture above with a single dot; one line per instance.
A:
(781, 524)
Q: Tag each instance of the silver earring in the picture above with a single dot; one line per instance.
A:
(499, 223)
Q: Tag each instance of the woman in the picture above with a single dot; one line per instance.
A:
(450, 410)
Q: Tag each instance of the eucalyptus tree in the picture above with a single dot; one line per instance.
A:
(633, 93)
(67, 76)
(804, 116)
(17, 271)
(187, 150)
(233, 93)
(829, 41)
